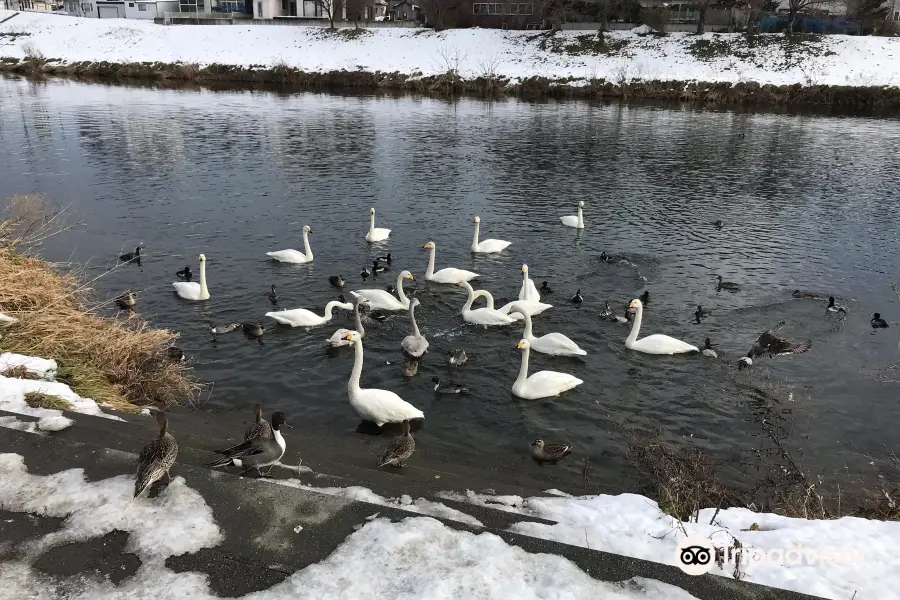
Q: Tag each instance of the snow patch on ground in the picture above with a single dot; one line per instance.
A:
(176, 522)
(52, 423)
(405, 502)
(635, 526)
(13, 390)
(417, 557)
(845, 60)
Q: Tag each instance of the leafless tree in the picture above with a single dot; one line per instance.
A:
(755, 12)
(355, 10)
(436, 12)
(700, 6)
(867, 12)
(329, 7)
(798, 7)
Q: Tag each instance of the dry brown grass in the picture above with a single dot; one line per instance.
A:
(40, 400)
(121, 362)
(19, 372)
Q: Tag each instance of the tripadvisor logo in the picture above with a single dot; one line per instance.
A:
(697, 556)
(694, 555)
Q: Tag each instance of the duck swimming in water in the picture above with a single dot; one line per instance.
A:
(336, 281)
(726, 285)
(645, 297)
(448, 388)
(833, 308)
(131, 256)
(185, 274)
(770, 344)
(707, 349)
(545, 289)
(549, 452)
(700, 313)
(877, 322)
(273, 296)
(578, 298)
(127, 300)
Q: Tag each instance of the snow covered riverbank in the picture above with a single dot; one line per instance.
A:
(571, 58)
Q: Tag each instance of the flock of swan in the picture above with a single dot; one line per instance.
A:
(384, 406)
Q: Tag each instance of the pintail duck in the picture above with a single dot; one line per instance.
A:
(399, 449)
(185, 274)
(708, 350)
(126, 300)
(549, 452)
(387, 258)
(577, 298)
(253, 330)
(217, 329)
(545, 289)
(336, 281)
(174, 353)
(700, 313)
(645, 297)
(458, 357)
(835, 308)
(448, 388)
(156, 458)
(769, 344)
(273, 295)
(726, 285)
(260, 428)
(256, 453)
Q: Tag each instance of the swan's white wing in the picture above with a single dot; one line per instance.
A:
(533, 295)
(296, 318)
(550, 383)
(487, 316)
(532, 308)
(288, 256)
(414, 346)
(556, 343)
(662, 344)
(337, 338)
(451, 275)
(381, 300)
(378, 234)
(570, 220)
(383, 406)
(493, 245)
(187, 289)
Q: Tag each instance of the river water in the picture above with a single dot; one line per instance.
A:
(808, 202)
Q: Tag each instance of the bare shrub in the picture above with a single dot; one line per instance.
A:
(32, 52)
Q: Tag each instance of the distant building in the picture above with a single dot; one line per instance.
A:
(119, 9)
(405, 10)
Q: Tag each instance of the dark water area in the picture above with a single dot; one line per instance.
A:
(808, 202)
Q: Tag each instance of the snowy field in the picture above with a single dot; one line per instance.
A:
(841, 559)
(836, 60)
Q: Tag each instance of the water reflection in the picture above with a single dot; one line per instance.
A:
(807, 202)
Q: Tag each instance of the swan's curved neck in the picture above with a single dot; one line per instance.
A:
(412, 320)
(523, 370)
(353, 384)
(580, 217)
(470, 300)
(636, 326)
(309, 254)
(528, 335)
(329, 308)
(400, 292)
(475, 240)
(527, 294)
(430, 271)
(204, 291)
(372, 223)
(487, 296)
(359, 326)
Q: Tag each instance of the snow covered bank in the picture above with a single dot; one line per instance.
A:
(868, 564)
(13, 391)
(573, 58)
(417, 557)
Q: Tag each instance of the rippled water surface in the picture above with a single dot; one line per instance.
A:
(808, 202)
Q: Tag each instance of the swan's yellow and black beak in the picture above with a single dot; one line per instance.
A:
(411, 277)
(308, 229)
(520, 345)
(524, 269)
(459, 283)
(349, 336)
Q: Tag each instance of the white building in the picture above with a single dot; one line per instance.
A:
(120, 9)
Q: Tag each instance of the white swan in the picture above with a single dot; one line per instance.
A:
(338, 338)
(555, 344)
(482, 316)
(295, 256)
(376, 234)
(523, 306)
(378, 406)
(414, 344)
(573, 221)
(194, 291)
(656, 343)
(528, 291)
(448, 275)
(542, 384)
(300, 317)
(487, 245)
(384, 300)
